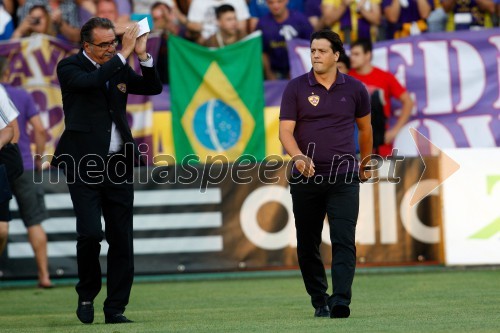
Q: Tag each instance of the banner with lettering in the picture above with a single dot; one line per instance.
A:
(453, 78)
(33, 65)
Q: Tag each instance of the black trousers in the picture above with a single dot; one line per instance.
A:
(113, 199)
(313, 198)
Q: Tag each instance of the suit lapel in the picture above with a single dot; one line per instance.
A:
(89, 66)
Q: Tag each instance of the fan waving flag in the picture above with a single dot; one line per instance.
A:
(217, 99)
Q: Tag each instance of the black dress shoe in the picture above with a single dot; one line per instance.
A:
(340, 311)
(322, 311)
(118, 318)
(85, 312)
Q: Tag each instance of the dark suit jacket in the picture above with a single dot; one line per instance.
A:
(90, 107)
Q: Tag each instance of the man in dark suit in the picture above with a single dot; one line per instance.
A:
(98, 153)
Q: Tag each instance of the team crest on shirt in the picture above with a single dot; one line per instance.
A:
(313, 99)
(122, 87)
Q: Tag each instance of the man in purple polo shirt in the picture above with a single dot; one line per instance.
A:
(29, 196)
(317, 116)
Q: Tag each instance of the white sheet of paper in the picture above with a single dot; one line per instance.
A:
(143, 26)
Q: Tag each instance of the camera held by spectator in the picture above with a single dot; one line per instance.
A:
(38, 20)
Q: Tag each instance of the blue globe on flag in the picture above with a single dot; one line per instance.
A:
(217, 125)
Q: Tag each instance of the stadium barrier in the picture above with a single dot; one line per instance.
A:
(236, 216)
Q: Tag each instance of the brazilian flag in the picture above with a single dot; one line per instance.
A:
(217, 99)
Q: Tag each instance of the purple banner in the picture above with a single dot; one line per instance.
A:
(33, 64)
(453, 79)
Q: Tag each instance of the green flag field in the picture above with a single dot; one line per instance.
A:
(217, 101)
(435, 300)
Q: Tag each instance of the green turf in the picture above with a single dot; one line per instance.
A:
(441, 301)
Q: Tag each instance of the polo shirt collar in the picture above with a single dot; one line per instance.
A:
(312, 79)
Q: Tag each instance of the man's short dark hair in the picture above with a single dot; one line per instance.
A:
(36, 6)
(86, 34)
(364, 43)
(332, 37)
(160, 4)
(223, 9)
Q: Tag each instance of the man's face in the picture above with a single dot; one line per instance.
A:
(161, 17)
(107, 10)
(228, 23)
(277, 7)
(38, 20)
(359, 58)
(102, 47)
(322, 57)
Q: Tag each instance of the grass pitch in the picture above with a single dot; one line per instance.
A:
(439, 301)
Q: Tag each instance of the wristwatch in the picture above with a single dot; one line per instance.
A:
(149, 57)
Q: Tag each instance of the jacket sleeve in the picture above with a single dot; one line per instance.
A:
(147, 84)
(73, 76)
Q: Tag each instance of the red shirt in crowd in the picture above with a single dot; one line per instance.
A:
(385, 81)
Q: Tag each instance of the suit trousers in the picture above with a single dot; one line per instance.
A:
(113, 198)
(338, 199)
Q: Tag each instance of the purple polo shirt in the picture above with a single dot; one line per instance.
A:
(326, 119)
(27, 109)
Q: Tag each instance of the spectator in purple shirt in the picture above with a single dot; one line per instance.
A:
(469, 14)
(317, 116)
(279, 26)
(29, 196)
(258, 9)
(124, 10)
(314, 13)
(406, 17)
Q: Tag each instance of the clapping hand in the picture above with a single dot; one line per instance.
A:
(140, 46)
(129, 39)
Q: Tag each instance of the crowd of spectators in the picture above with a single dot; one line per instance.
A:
(218, 23)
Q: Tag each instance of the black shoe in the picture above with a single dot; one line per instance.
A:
(340, 311)
(118, 318)
(322, 311)
(85, 312)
